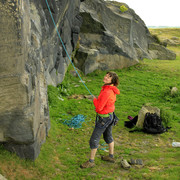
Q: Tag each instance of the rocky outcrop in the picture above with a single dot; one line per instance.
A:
(157, 51)
(68, 20)
(174, 41)
(31, 56)
(111, 39)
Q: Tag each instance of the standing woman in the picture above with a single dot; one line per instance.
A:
(104, 106)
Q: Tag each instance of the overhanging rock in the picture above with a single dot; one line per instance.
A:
(111, 39)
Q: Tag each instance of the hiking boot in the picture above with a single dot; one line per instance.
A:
(87, 164)
(139, 162)
(132, 162)
(136, 162)
(125, 164)
(107, 158)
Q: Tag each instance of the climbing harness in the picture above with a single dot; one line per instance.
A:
(65, 47)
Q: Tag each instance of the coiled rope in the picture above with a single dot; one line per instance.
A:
(65, 47)
(76, 121)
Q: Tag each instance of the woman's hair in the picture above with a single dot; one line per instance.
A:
(115, 78)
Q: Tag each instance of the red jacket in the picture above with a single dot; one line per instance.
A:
(104, 104)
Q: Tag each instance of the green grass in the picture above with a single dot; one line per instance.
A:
(163, 33)
(66, 148)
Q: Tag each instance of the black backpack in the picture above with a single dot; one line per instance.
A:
(153, 124)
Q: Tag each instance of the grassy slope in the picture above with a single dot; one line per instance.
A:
(166, 33)
(65, 148)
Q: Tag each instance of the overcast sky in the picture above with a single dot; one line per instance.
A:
(156, 12)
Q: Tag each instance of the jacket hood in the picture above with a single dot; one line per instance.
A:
(114, 88)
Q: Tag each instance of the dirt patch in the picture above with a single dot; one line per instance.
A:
(80, 96)
(15, 170)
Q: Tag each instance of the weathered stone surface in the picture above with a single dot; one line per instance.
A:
(160, 52)
(31, 56)
(23, 96)
(142, 113)
(174, 91)
(91, 59)
(174, 41)
(110, 39)
(2, 177)
(68, 21)
(106, 40)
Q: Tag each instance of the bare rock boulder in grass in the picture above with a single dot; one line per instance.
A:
(111, 39)
(160, 52)
(142, 113)
(174, 91)
(174, 41)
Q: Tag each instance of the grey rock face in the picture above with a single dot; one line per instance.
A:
(31, 56)
(105, 43)
(110, 39)
(68, 21)
(160, 52)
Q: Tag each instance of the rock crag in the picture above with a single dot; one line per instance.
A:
(112, 39)
(31, 56)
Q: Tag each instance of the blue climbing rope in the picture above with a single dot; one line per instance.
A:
(76, 121)
(103, 148)
(65, 47)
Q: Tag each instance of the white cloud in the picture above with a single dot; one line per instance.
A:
(156, 12)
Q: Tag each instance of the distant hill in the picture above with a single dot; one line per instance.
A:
(157, 27)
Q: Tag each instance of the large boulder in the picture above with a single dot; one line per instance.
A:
(141, 115)
(111, 39)
(31, 56)
(160, 52)
(174, 41)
